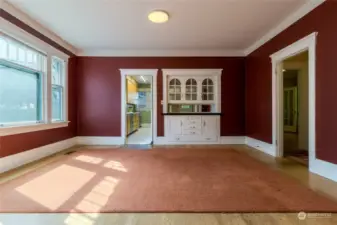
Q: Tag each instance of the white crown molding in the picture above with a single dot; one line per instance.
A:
(142, 72)
(301, 12)
(192, 72)
(34, 24)
(162, 53)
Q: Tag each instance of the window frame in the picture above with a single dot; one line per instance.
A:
(63, 87)
(40, 89)
(35, 44)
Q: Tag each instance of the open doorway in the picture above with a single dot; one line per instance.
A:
(138, 108)
(296, 107)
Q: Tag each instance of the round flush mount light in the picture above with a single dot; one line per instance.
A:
(158, 16)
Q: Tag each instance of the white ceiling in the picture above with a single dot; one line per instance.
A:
(93, 25)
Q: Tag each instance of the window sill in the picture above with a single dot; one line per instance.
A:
(6, 131)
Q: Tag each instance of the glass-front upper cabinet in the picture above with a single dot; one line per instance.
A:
(175, 93)
(207, 89)
(191, 90)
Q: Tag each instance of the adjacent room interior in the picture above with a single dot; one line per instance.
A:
(139, 110)
(167, 112)
(295, 110)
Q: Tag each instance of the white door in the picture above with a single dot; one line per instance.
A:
(290, 109)
(175, 124)
(210, 128)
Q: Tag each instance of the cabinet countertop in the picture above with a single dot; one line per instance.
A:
(191, 114)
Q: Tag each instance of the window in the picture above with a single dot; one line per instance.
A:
(25, 84)
(58, 72)
(20, 95)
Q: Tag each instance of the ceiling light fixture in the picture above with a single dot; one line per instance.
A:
(158, 16)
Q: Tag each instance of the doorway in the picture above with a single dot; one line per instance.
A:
(295, 107)
(299, 115)
(138, 114)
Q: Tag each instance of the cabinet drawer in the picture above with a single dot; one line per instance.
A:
(192, 132)
(194, 118)
(192, 126)
(192, 122)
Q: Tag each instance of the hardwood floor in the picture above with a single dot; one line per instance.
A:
(291, 168)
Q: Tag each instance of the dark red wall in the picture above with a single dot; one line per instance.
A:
(258, 80)
(99, 92)
(13, 144)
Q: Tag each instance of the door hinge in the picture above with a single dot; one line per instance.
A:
(276, 142)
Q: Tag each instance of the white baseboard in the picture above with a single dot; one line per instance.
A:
(262, 146)
(160, 141)
(233, 140)
(14, 161)
(81, 140)
(323, 168)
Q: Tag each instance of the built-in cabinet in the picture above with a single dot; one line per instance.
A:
(192, 105)
(198, 129)
(191, 89)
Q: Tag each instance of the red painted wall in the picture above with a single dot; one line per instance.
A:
(258, 80)
(13, 144)
(99, 91)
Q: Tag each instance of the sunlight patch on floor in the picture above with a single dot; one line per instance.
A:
(99, 195)
(49, 189)
(89, 159)
(116, 166)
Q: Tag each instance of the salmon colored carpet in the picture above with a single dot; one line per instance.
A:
(159, 180)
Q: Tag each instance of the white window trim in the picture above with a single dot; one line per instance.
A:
(34, 42)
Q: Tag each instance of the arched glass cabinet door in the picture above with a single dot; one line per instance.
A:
(191, 90)
(174, 90)
(208, 89)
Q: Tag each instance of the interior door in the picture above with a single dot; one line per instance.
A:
(290, 112)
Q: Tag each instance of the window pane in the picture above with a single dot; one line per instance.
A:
(57, 99)
(20, 99)
(57, 71)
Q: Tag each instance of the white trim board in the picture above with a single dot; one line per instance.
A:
(13, 161)
(323, 168)
(161, 53)
(94, 140)
(261, 146)
(232, 140)
(293, 18)
(306, 43)
(139, 72)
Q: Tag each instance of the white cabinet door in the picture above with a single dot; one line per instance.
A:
(208, 89)
(175, 89)
(175, 127)
(210, 131)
